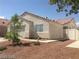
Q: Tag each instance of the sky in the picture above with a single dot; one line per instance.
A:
(39, 7)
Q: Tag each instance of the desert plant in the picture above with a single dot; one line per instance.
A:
(12, 34)
(2, 48)
(38, 42)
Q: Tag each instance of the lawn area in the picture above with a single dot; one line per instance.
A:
(53, 50)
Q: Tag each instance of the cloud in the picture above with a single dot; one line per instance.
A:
(2, 17)
(77, 23)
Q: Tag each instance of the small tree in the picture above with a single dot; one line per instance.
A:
(13, 35)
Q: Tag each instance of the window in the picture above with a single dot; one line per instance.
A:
(39, 27)
(65, 27)
(22, 28)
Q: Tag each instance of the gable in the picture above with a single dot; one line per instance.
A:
(33, 17)
(37, 20)
(24, 20)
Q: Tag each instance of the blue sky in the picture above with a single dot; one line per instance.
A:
(39, 7)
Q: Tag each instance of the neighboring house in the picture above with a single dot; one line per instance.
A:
(3, 26)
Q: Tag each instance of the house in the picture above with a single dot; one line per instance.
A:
(3, 26)
(34, 26)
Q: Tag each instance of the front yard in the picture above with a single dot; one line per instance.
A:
(53, 50)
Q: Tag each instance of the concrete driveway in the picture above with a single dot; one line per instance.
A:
(75, 44)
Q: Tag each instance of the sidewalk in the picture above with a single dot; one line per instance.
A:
(3, 39)
(42, 41)
(29, 40)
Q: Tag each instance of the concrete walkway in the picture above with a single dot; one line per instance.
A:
(74, 44)
(29, 40)
(42, 41)
(3, 39)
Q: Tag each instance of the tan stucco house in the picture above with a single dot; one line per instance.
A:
(34, 26)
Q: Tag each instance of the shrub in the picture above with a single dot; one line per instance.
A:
(12, 34)
(2, 48)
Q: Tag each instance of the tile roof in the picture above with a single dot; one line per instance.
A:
(64, 21)
(59, 21)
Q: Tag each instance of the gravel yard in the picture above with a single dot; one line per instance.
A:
(53, 50)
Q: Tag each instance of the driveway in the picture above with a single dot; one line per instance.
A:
(74, 44)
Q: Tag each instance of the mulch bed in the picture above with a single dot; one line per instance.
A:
(54, 50)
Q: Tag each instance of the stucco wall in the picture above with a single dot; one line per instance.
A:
(72, 34)
(36, 20)
(56, 31)
(25, 30)
(3, 30)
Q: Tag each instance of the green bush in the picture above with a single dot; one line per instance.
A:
(2, 48)
(12, 35)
